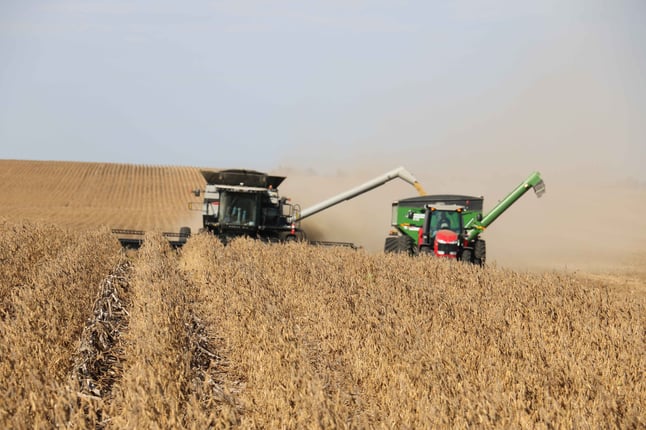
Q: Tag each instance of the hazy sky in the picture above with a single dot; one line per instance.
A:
(556, 85)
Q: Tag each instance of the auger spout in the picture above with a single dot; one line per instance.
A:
(475, 227)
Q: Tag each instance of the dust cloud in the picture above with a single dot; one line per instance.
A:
(593, 225)
(583, 134)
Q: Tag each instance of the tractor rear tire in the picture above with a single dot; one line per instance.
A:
(480, 253)
(467, 256)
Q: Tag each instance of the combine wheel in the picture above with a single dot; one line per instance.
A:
(184, 234)
(467, 256)
(480, 253)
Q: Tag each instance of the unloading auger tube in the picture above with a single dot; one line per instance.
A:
(475, 227)
(399, 172)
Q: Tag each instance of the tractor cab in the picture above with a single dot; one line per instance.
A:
(442, 230)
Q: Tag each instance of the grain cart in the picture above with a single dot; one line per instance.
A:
(247, 203)
(448, 225)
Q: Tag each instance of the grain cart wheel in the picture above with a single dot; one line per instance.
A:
(391, 244)
(467, 256)
(480, 253)
(405, 244)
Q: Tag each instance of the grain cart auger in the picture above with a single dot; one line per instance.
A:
(246, 203)
(448, 225)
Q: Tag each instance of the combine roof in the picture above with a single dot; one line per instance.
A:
(248, 178)
(471, 203)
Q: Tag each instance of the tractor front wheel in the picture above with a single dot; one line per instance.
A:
(426, 249)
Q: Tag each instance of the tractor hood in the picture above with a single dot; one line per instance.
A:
(446, 244)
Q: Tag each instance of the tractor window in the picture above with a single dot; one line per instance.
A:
(238, 208)
(445, 220)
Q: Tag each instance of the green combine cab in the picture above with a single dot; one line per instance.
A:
(449, 225)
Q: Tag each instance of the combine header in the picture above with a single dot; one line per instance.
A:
(134, 238)
(449, 226)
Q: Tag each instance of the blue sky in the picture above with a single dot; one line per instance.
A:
(550, 85)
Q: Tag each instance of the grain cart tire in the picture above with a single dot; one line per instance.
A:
(480, 253)
(467, 256)
(391, 244)
(404, 244)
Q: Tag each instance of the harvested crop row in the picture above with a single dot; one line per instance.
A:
(165, 381)
(55, 276)
(324, 337)
(99, 359)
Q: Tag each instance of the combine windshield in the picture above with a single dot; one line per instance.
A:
(238, 208)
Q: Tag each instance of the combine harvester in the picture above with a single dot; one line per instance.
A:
(447, 225)
(247, 203)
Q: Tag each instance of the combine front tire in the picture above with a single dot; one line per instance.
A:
(184, 234)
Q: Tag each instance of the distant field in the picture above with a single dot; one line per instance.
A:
(82, 196)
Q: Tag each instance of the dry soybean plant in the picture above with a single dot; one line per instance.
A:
(332, 337)
(47, 300)
(253, 335)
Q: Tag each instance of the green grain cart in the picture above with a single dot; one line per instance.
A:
(449, 225)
